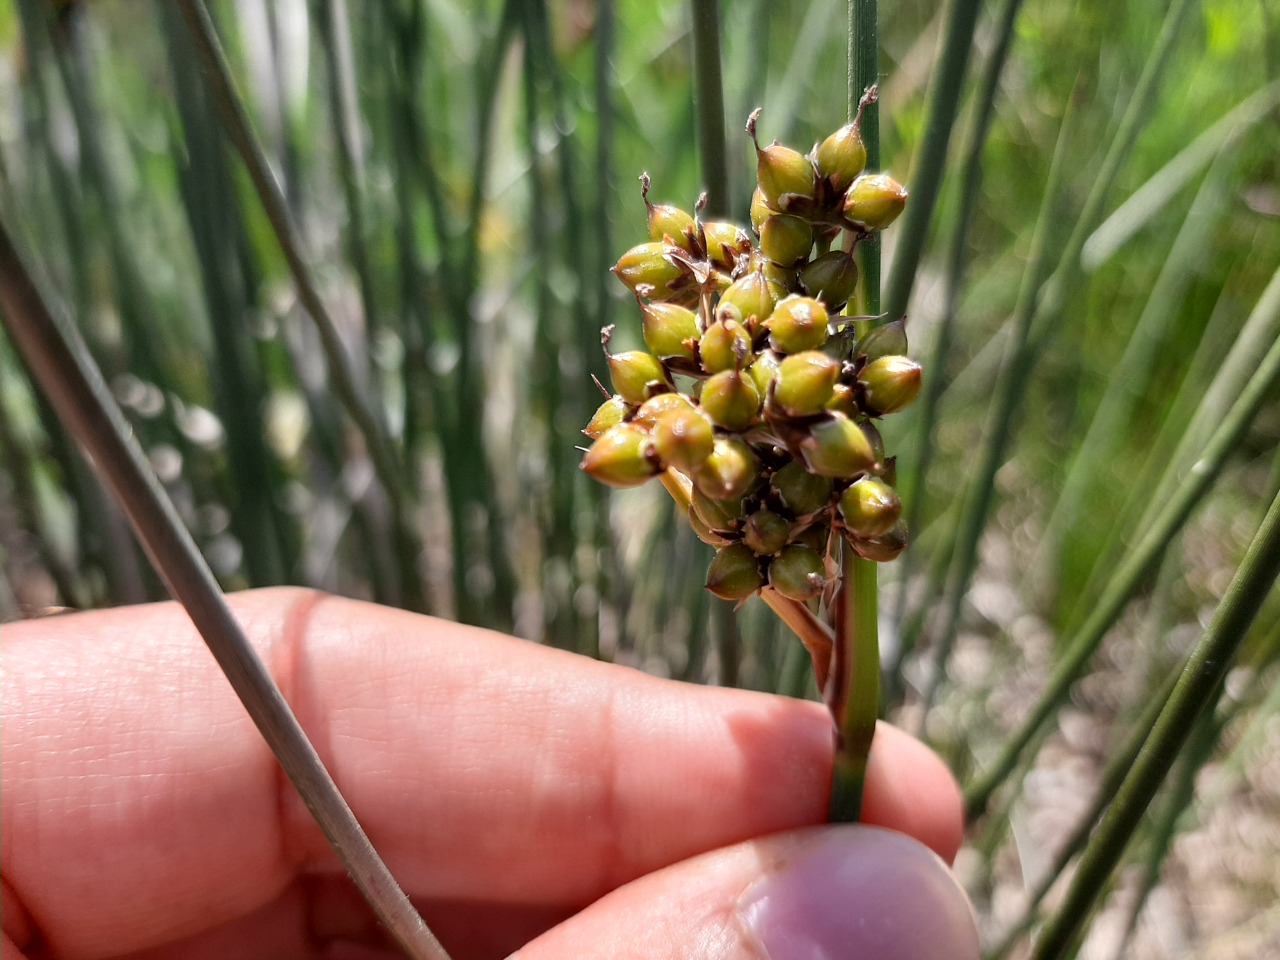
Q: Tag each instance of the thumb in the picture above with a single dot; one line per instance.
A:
(818, 894)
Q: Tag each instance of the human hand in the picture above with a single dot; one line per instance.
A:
(523, 797)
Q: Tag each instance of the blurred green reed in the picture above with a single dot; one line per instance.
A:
(345, 270)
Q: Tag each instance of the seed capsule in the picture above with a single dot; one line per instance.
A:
(842, 156)
(647, 269)
(783, 174)
(870, 508)
(801, 492)
(804, 382)
(875, 200)
(760, 211)
(797, 572)
(889, 384)
(637, 375)
(734, 573)
(785, 239)
(705, 533)
(883, 341)
(726, 244)
(730, 472)
(670, 223)
(718, 515)
(762, 370)
(683, 439)
(838, 448)
(731, 400)
(725, 346)
(765, 532)
(656, 407)
(670, 331)
(844, 399)
(831, 278)
(882, 549)
(815, 536)
(797, 324)
(749, 297)
(612, 411)
(622, 456)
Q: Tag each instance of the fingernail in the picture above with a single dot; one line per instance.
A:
(860, 892)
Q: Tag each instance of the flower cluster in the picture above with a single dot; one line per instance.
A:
(754, 386)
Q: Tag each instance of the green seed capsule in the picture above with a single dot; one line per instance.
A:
(765, 532)
(816, 536)
(734, 573)
(730, 472)
(731, 400)
(874, 201)
(683, 439)
(797, 324)
(622, 456)
(842, 156)
(760, 211)
(801, 492)
(797, 572)
(612, 411)
(725, 346)
(749, 297)
(831, 278)
(718, 515)
(670, 331)
(726, 244)
(656, 407)
(844, 399)
(804, 383)
(762, 370)
(783, 174)
(838, 448)
(647, 269)
(637, 375)
(882, 549)
(705, 533)
(671, 224)
(785, 239)
(884, 341)
(889, 384)
(870, 508)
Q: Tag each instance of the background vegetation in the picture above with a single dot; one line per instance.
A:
(1098, 303)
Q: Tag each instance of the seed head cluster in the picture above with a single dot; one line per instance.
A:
(754, 386)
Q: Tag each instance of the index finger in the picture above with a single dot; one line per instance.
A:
(138, 794)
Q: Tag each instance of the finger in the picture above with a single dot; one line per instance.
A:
(808, 895)
(145, 806)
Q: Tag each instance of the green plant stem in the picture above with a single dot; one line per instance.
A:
(926, 176)
(1136, 565)
(853, 689)
(709, 100)
(1205, 670)
(61, 364)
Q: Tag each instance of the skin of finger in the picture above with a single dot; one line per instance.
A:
(141, 805)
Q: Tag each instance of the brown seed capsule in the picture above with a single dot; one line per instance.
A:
(637, 375)
(883, 341)
(804, 383)
(874, 201)
(784, 175)
(889, 384)
(684, 439)
(842, 156)
(870, 508)
(800, 491)
(765, 532)
(734, 573)
(731, 400)
(797, 324)
(649, 270)
(622, 456)
(837, 447)
(730, 472)
(725, 346)
(726, 244)
(882, 549)
(656, 407)
(831, 278)
(614, 410)
(786, 240)
(797, 572)
(670, 331)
